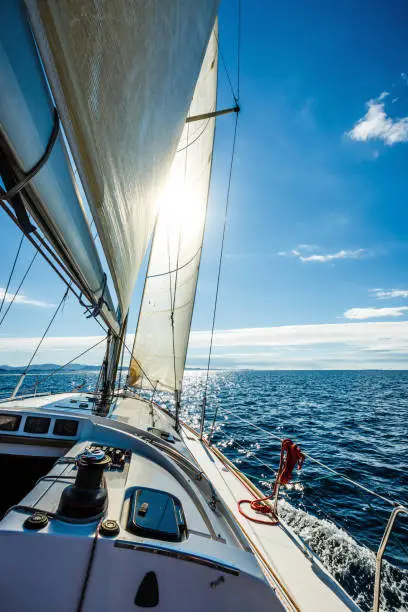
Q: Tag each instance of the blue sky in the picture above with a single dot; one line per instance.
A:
(315, 272)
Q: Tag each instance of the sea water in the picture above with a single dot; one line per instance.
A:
(354, 422)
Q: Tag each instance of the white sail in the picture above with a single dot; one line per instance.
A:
(123, 74)
(164, 324)
(26, 123)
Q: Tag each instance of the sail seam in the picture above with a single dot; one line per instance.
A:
(196, 138)
(179, 268)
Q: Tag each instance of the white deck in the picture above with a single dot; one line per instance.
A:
(293, 565)
(295, 574)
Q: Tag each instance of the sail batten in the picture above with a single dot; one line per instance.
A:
(162, 334)
(123, 75)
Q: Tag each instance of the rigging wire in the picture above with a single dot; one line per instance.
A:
(42, 248)
(226, 69)
(218, 286)
(11, 272)
(227, 73)
(236, 99)
(239, 49)
(37, 348)
(63, 300)
(314, 460)
(42, 380)
(19, 287)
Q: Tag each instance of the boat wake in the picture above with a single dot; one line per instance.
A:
(351, 564)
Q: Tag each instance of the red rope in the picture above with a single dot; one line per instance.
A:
(290, 455)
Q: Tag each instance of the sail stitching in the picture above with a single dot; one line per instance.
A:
(179, 268)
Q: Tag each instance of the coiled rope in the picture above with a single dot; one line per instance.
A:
(290, 456)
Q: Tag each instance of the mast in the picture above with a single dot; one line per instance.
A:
(123, 115)
(114, 347)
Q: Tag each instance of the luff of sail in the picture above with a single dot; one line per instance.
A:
(123, 74)
(163, 330)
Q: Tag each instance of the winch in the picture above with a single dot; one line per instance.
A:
(87, 496)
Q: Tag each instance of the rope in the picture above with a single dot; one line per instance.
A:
(290, 456)
(19, 287)
(12, 272)
(218, 286)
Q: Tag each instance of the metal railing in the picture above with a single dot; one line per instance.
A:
(380, 554)
(398, 507)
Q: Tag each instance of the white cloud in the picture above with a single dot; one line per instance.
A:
(308, 247)
(387, 335)
(323, 258)
(343, 254)
(354, 345)
(22, 299)
(386, 294)
(377, 125)
(375, 313)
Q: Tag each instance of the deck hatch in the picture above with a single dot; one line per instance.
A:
(157, 515)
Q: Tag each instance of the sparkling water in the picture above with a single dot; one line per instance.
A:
(355, 422)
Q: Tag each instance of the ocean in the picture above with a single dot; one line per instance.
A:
(354, 422)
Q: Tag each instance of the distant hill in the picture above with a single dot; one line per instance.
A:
(48, 367)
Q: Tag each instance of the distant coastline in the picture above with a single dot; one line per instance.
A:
(47, 367)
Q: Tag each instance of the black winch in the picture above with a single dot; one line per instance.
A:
(87, 497)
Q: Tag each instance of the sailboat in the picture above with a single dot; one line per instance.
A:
(111, 501)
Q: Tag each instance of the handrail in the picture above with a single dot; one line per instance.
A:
(380, 553)
(397, 509)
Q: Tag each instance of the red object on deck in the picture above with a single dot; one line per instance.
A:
(290, 455)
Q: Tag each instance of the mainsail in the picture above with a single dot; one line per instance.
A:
(161, 339)
(123, 74)
(26, 122)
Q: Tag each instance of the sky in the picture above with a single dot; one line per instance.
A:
(315, 271)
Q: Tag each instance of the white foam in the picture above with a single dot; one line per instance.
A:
(350, 563)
